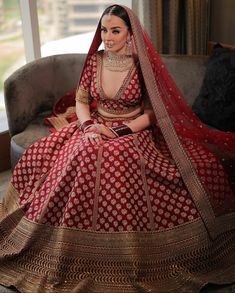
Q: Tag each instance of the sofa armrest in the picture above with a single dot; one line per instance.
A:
(35, 87)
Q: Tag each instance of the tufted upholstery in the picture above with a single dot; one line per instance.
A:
(31, 91)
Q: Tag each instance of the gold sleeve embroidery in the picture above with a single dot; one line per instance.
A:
(83, 96)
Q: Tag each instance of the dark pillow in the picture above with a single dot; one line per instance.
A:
(215, 104)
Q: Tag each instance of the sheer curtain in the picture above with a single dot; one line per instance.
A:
(175, 26)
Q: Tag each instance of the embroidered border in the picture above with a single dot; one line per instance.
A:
(180, 156)
(118, 112)
(97, 188)
(83, 96)
(145, 185)
(123, 86)
(180, 259)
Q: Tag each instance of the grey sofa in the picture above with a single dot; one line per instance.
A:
(31, 91)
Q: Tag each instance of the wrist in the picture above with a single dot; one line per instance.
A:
(86, 125)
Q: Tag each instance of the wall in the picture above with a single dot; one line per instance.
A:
(222, 21)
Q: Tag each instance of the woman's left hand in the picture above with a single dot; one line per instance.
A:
(93, 138)
(97, 133)
(103, 130)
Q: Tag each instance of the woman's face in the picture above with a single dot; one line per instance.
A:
(114, 34)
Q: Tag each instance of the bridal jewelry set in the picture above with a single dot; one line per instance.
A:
(120, 63)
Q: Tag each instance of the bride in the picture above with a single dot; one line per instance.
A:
(136, 196)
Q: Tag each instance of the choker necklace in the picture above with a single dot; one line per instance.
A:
(114, 62)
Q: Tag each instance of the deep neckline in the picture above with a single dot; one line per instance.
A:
(121, 89)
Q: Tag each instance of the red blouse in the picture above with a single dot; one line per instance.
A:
(128, 98)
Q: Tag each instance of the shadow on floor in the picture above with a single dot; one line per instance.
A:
(207, 289)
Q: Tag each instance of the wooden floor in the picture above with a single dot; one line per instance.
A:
(4, 180)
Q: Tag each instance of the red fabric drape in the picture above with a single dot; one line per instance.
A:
(177, 121)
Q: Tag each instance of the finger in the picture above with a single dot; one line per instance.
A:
(98, 140)
(95, 140)
(108, 133)
(86, 139)
(92, 140)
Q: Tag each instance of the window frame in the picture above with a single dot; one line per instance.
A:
(30, 27)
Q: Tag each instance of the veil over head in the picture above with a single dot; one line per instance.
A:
(180, 125)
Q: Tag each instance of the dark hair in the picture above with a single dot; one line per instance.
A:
(120, 12)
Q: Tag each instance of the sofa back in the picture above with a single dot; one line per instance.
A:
(188, 73)
(35, 87)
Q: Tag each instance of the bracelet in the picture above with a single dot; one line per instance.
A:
(121, 130)
(86, 125)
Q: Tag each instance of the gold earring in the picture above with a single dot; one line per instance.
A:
(128, 47)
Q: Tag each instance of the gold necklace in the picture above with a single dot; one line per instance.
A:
(114, 62)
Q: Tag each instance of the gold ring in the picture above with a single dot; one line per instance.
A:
(94, 135)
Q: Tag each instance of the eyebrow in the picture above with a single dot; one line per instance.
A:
(112, 28)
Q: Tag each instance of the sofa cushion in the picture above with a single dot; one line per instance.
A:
(30, 135)
(33, 132)
(215, 104)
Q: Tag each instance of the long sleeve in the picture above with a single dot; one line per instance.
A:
(83, 89)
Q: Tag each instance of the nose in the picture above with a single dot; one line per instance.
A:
(108, 36)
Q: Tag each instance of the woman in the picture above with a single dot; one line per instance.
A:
(136, 197)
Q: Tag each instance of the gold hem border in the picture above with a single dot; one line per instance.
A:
(60, 259)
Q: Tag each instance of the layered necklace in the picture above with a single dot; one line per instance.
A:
(114, 62)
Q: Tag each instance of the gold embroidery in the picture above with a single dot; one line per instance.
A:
(124, 84)
(186, 168)
(83, 96)
(114, 119)
(174, 260)
(145, 185)
(119, 111)
(97, 188)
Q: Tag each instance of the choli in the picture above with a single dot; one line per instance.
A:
(128, 98)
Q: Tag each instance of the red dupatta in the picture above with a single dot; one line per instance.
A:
(178, 123)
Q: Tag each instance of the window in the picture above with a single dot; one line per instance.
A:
(11, 48)
(62, 24)
(68, 26)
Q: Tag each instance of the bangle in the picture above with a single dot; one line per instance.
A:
(121, 130)
(86, 125)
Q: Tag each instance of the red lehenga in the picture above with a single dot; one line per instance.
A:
(152, 211)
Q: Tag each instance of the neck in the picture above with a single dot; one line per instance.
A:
(116, 55)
